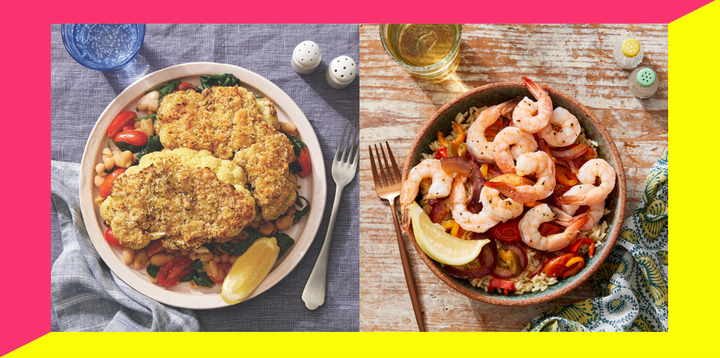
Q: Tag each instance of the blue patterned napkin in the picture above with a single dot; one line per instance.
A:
(633, 280)
(86, 295)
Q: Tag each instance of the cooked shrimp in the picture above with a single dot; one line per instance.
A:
(538, 163)
(594, 214)
(530, 224)
(580, 189)
(523, 115)
(440, 187)
(569, 128)
(588, 173)
(509, 144)
(502, 209)
(479, 222)
(477, 144)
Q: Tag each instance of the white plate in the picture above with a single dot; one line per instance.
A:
(313, 187)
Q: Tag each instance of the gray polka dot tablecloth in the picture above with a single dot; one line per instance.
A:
(79, 95)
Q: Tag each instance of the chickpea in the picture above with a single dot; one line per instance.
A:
(219, 275)
(223, 240)
(232, 259)
(225, 258)
(193, 256)
(149, 102)
(255, 224)
(107, 152)
(206, 256)
(141, 259)
(146, 125)
(291, 210)
(128, 255)
(215, 259)
(266, 228)
(109, 163)
(100, 168)
(171, 251)
(284, 222)
(184, 252)
(288, 128)
(98, 180)
(124, 159)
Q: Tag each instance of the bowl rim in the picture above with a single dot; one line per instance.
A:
(585, 273)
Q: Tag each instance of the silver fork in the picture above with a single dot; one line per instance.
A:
(343, 171)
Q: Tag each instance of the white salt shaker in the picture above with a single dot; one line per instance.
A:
(341, 71)
(306, 57)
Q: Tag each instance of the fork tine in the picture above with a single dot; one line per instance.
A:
(382, 169)
(374, 170)
(337, 151)
(398, 176)
(391, 177)
(348, 148)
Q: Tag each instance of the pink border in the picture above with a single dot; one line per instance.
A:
(26, 240)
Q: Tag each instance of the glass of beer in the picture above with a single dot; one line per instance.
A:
(427, 51)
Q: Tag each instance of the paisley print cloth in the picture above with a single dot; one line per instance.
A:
(633, 281)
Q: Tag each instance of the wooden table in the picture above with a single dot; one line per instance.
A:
(575, 59)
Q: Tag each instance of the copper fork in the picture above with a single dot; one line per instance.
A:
(388, 188)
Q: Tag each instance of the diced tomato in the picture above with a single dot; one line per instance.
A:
(505, 286)
(155, 247)
(111, 239)
(106, 186)
(172, 273)
(585, 240)
(304, 160)
(507, 232)
(184, 86)
(121, 120)
(442, 153)
(547, 229)
(134, 137)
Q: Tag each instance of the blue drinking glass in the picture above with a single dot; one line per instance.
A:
(103, 47)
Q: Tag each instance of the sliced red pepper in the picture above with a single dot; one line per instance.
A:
(172, 273)
(585, 240)
(304, 160)
(564, 176)
(574, 265)
(442, 153)
(506, 286)
(121, 120)
(107, 184)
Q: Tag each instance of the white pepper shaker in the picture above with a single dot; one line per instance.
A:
(306, 57)
(341, 71)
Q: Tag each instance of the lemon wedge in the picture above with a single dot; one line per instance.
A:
(439, 245)
(249, 270)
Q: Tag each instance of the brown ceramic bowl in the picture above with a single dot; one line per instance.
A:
(497, 93)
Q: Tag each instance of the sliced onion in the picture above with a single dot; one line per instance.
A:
(439, 210)
(570, 152)
(470, 169)
(487, 263)
(502, 272)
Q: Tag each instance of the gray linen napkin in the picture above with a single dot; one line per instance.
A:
(86, 295)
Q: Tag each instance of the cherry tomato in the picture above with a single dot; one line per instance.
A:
(123, 119)
(547, 229)
(507, 232)
(155, 247)
(134, 137)
(442, 153)
(111, 239)
(304, 160)
(182, 87)
(172, 273)
(555, 267)
(106, 186)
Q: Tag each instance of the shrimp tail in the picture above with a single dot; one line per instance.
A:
(580, 220)
(572, 199)
(509, 106)
(504, 188)
(536, 91)
(561, 217)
